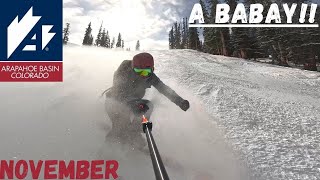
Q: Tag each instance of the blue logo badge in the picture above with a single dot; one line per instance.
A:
(31, 30)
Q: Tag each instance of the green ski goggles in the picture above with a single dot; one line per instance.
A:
(143, 72)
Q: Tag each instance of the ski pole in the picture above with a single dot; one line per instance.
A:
(158, 167)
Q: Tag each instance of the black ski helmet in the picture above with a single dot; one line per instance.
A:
(143, 60)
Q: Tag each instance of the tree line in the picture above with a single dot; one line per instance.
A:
(103, 38)
(183, 37)
(285, 46)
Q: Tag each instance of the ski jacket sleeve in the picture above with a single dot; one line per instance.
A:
(120, 81)
(120, 77)
(166, 90)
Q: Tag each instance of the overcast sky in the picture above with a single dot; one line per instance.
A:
(146, 20)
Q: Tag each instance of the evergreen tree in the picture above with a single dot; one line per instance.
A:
(113, 42)
(309, 48)
(103, 41)
(274, 40)
(187, 33)
(138, 46)
(171, 39)
(205, 30)
(98, 40)
(297, 45)
(184, 34)
(122, 44)
(108, 45)
(194, 42)
(213, 42)
(177, 36)
(119, 41)
(66, 33)
(88, 38)
(239, 39)
(227, 46)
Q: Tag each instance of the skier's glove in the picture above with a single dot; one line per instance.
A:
(184, 105)
(143, 108)
(139, 108)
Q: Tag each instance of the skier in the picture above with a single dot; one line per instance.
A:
(124, 98)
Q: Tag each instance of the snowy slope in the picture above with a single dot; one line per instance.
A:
(267, 114)
(270, 114)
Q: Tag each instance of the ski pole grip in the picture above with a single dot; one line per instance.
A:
(147, 125)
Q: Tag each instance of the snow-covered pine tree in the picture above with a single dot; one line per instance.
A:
(66, 33)
(88, 38)
(103, 41)
(98, 40)
(113, 42)
(119, 41)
